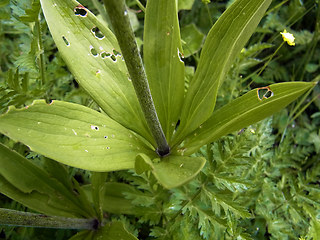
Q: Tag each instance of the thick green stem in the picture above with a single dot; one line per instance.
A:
(25, 219)
(121, 25)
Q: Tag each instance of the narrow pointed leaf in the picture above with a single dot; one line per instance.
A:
(224, 41)
(93, 56)
(250, 108)
(23, 181)
(163, 63)
(174, 171)
(74, 135)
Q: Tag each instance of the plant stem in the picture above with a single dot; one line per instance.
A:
(25, 219)
(42, 63)
(121, 25)
(141, 6)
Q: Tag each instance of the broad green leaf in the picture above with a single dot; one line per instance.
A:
(174, 171)
(162, 59)
(23, 181)
(113, 198)
(74, 135)
(142, 164)
(250, 108)
(224, 42)
(192, 39)
(93, 56)
(185, 4)
(111, 231)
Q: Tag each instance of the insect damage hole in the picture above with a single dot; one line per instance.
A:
(66, 41)
(180, 55)
(105, 55)
(80, 11)
(94, 127)
(97, 33)
(113, 57)
(116, 53)
(93, 51)
(264, 93)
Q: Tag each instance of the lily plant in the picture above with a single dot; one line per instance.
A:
(147, 121)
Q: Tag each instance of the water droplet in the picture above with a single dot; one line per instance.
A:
(86, 150)
(113, 136)
(75, 133)
(105, 137)
(39, 122)
(125, 12)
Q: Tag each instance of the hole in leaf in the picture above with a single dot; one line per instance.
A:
(113, 57)
(97, 33)
(105, 54)
(264, 93)
(66, 41)
(268, 94)
(180, 55)
(93, 51)
(94, 127)
(116, 53)
(80, 11)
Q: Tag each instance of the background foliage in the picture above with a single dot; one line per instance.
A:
(259, 183)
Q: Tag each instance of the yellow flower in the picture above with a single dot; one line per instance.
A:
(288, 37)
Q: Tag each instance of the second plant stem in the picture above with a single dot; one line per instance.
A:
(119, 17)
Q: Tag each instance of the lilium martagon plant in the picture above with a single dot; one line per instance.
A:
(136, 130)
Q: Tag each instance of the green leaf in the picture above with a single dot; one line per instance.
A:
(113, 200)
(74, 135)
(142, 164)
(192, 38)
(32, 14)
(174, 171)
(163, 63)
(224, 42)
(185, 4)
(28, 184)
(98, 180)
(114, 230)
(250, 108)
(93, 56)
